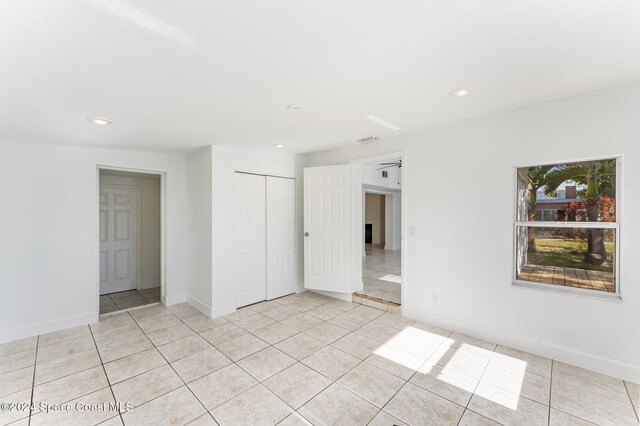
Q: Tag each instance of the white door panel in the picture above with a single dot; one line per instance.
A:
(250, 239)
(328, 193)
(118, 238)
(281, 210)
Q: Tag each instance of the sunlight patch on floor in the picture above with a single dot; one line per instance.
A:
(392, 278)
(498, 395)
(449, 376)
(410, 347)
(297, 419)
(433, 355)
(400, 357)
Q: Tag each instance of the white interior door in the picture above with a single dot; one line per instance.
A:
(118, 238)
(328, 240)
(281, 210)
(250, 239)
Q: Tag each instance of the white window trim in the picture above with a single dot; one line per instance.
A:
(613, 296)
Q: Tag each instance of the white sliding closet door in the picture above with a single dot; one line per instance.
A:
(250, 239)
(281, 210)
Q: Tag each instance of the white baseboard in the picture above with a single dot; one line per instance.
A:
(173, 299)
(48, 327)
(199, 305)
(559, 353)
(218, 311)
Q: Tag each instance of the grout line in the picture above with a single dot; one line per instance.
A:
(119, 308)
(412, 375)
(144, 333)
(80, 371)
(104, 370)
(297, 361)
(635, 410)
(33, 382)
(172, 368)
(240, 367)
(67, 339)
(66, 375)
(252, 333)
(258, 382)
(480, 378)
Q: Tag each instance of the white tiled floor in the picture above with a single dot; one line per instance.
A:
(381, 274)
(298, 360)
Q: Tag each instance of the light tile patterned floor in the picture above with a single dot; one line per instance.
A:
(128, 299)
(297, 360)
(381, 272)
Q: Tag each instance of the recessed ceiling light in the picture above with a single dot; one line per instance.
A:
(279, 146)
(459, 92)
(381, 122)
(100, 121)
(294, 106)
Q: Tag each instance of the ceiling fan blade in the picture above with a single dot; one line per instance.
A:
(386, 167)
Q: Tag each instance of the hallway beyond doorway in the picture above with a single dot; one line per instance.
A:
(381, 274)
(128, 299)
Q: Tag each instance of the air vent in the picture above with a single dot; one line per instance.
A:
(369, 139)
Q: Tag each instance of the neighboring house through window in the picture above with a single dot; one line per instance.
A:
(566, 228)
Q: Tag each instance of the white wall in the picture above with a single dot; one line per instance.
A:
(225, 162)
(199, 196)
(392, 216)
(373, 181)
(374, 210)
(372, 176)
(393, 219)
(150, 241)
(465, 253)
(49, 227)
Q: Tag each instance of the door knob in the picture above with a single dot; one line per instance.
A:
(306, 234)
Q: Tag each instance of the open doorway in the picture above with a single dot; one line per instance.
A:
(381, 260)
(129, 239)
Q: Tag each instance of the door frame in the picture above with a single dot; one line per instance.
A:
(359, 217)
(163, 215)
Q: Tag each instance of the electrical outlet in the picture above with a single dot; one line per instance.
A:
(412, 230)
(434, 296)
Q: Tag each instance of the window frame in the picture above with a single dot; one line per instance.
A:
(613, 296)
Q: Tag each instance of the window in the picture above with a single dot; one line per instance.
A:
(566, 228)
(545, 214)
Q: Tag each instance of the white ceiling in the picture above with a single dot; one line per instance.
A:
(176, 75)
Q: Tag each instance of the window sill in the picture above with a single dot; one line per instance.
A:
(592, 294)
